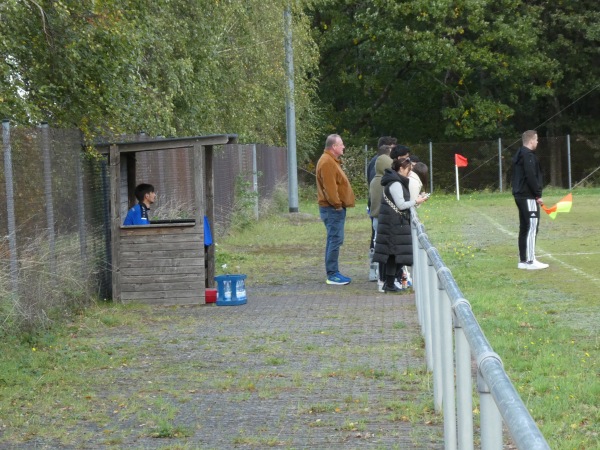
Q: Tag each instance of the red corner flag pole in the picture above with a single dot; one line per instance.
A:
(459, 161)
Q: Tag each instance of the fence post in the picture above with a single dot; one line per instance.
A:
(10, 206)
(427, 315)
(430, 167)
(447, 369)
(106, 219)
(569, 158)
(366, 163)
(464, 386)
(255, 180)
(81, 216)
(500, 162)
(422, 297)
(436, 333)
(49, 201)
(490, 418)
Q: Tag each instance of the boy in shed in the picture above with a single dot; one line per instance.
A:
(138, 215)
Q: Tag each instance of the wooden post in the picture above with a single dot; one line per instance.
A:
(115, 214)
(131, 179)
(209, 211)
(198, 184)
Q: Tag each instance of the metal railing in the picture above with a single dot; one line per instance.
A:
(446, 318)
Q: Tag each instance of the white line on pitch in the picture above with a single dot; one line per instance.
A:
(546, 254)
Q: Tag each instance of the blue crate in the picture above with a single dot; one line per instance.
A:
(236, 287)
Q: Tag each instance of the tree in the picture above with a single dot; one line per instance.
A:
(448, 69)
(169, 67)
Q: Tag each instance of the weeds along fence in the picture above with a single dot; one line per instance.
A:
(55, 221)
(453, 338)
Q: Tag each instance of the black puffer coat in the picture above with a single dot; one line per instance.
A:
(393, 230)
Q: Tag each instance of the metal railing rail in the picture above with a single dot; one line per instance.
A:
(446, 318)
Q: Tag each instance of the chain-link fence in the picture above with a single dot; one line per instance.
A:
(54, 199)
(55, 219)
(567, 162)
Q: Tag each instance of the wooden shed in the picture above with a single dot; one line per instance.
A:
(161, 263)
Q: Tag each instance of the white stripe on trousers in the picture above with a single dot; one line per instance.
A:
(531, 234)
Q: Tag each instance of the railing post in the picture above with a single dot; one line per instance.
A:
(436, 334)
(416, 277)
(446, 349)
(490, 418)
(425, 302)
(464, 387)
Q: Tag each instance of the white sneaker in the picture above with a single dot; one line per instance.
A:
(380, 285)
(536, 265)
(522, 265)
(398, 285)
(541, 264)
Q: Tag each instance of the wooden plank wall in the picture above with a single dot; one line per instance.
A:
(162, 264)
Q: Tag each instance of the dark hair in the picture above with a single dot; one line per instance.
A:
(421, 170)
(398, 151)
(414, 158)
(141, 190)
(386, 140)
(397, 163)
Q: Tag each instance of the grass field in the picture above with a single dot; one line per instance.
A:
(543, 324)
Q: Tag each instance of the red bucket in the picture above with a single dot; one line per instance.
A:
(211, 295)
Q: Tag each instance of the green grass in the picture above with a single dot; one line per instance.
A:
(543, 324)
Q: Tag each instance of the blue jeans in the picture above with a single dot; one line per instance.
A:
(334, 224)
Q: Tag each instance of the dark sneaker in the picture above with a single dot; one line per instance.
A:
(391, 288)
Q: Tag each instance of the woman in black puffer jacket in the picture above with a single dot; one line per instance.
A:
(393, 245)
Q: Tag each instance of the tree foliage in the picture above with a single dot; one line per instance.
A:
(422, 69)
(169, 67)
(417, 69)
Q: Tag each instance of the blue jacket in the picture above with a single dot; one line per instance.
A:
(138, 215)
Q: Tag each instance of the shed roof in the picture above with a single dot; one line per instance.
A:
(167, 143)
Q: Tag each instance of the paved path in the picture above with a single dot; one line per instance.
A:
(306, 366)
(302, 366)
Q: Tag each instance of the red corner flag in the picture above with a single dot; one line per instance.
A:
(460, 161)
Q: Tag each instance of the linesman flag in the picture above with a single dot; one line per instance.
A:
(563, 205)
(460, 161)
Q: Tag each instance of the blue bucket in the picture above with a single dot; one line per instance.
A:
(231, 290)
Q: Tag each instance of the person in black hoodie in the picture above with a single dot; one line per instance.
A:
(393, 243)
(527, 184)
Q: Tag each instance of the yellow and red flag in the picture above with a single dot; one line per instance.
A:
(563, 205)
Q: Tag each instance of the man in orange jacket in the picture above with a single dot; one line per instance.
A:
(334, 195)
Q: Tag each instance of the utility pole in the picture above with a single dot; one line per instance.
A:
(290, 114)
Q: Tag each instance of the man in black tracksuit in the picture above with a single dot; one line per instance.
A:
(527, 187)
